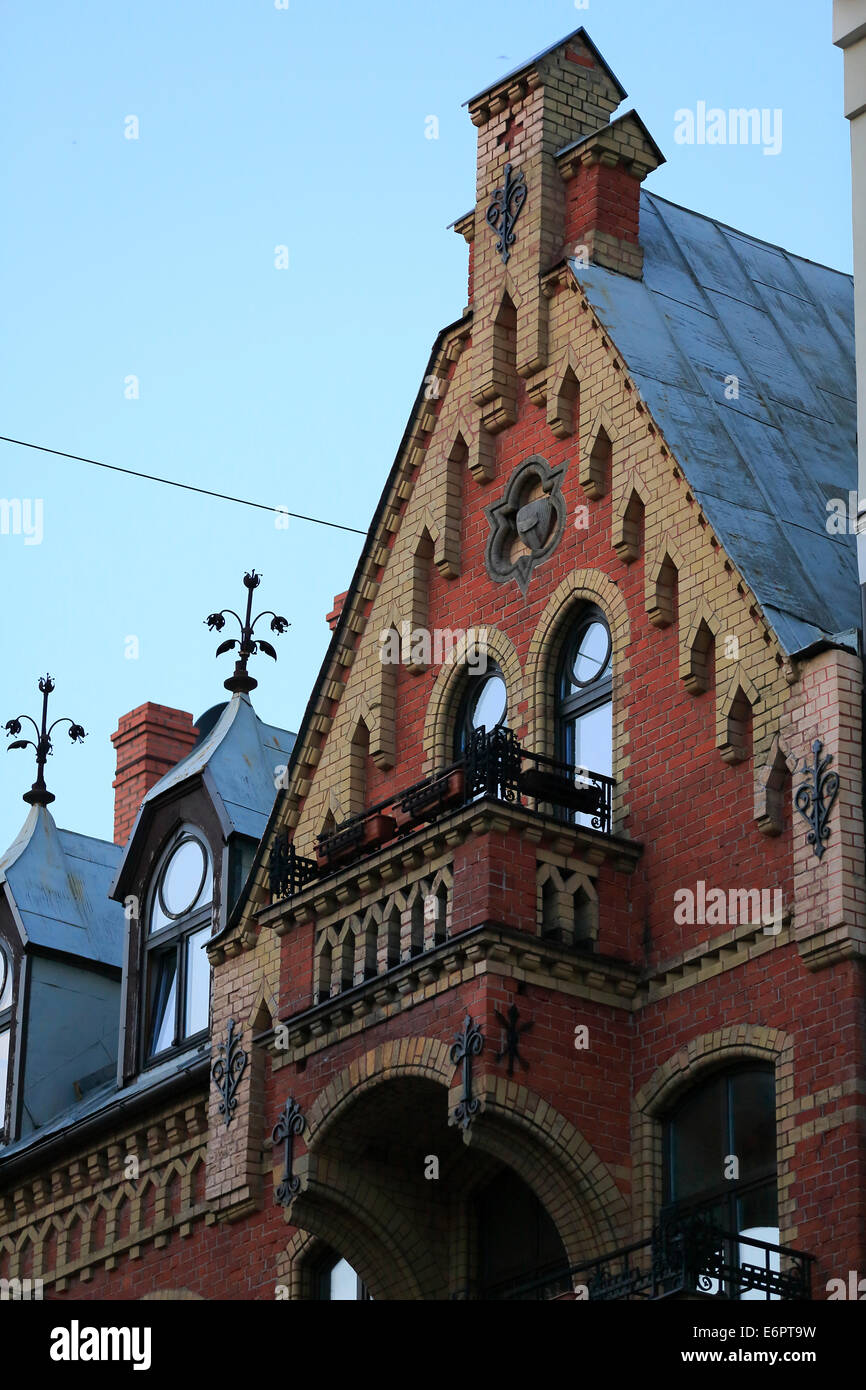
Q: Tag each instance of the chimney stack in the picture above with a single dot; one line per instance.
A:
(149, 741)
(556, 179)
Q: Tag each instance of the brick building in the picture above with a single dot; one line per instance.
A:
(542, 976)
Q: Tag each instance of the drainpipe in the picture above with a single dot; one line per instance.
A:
(849, 34)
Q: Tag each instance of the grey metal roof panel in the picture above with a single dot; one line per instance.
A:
(530, 62)
(59, 881)
(715, 303)
(241, 755)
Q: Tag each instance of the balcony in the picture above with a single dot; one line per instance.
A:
(688, 1259)
(495, 767)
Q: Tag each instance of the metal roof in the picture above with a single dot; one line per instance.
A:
(716, 303)
(238, 760)
(58, 884)
(551, 48)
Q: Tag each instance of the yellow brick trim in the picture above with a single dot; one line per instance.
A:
(700, 1057)
(580, 587)
(439, 721)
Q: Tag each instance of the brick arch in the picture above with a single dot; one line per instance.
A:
(516, 1127)
(405, 1057)
(447, 688)
(579, 587)
(573, 1184)
(698, 1058)
(296, 1264)
(361, 1223)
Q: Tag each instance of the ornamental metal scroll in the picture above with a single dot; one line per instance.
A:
(468, 1045)
(227, 1071)
(816, 797)
(504, 210)
(290, 1123)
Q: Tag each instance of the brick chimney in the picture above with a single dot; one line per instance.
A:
(333, 617)
(555, 179)
(149, 740)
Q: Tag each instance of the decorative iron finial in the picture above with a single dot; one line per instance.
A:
(39, 795)
(241, 680)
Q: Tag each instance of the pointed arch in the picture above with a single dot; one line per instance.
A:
(661, 584)
(563, 396)
(773, 787)
(495, 353)
(697, 649)
(596, 461)
(356, 766)
(734, 734)
(629, 519)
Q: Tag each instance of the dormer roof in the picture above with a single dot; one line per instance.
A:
(57, 883)
(237, 762)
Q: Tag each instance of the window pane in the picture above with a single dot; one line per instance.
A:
(753, 1100)
(592, 740)
(4, 1072)
(182, 878)
(488, 708)
(197, 1011)
(592, 657)
(758, 1208)
(698, 1144)
(344, 1282)
(163, 1002)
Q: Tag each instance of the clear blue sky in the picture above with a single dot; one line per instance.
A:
(154, 257)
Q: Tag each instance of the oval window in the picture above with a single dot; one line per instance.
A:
(591, 654)
(183, 878)
(488, 705)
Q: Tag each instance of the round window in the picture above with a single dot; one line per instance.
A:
(183, 878)
(489, 703)
(591, 654)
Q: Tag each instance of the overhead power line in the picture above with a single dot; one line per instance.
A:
(187, 487)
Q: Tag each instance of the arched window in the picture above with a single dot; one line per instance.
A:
(178, 927)
(584, 693)
(484, 705)
(720, 1156)
(5, 1031)
(337, 1281)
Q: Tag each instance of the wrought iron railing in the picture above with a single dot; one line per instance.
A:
(289, 872)
(494, 765)
(686, 1258)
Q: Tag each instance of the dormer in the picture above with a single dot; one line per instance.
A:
(61, 944)
(185, 862)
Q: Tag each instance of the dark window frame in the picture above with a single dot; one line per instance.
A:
(727, 1192)
(172, 937)
(571, 706)
(6, 1028)
(473, 686)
